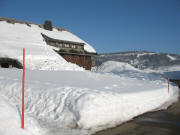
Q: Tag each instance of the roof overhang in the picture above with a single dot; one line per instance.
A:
(61, 41)
(76, 53)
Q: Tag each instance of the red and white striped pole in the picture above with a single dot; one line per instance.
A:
(23, 79)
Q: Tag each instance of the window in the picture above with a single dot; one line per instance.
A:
(53, 43)
(4, 65)
(66, 45)
(73, 46)
(79, 47)
(60, 44)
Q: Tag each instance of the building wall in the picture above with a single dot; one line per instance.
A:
(81, 60)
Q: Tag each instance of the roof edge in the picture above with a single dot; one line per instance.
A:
(25, 22)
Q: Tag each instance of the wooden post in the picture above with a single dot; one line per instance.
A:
(22, 124)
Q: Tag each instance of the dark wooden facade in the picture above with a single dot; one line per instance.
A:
(71, 51)
(176, 82)
(81, 60)
(10, 63)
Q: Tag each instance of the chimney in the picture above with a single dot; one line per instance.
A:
(48, 25)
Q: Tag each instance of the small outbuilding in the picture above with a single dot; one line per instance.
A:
(10, 63)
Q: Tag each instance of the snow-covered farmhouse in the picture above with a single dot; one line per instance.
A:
(72, 51)
(63, 42)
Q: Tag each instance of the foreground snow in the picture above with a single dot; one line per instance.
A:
(11, 121)
(70, 102)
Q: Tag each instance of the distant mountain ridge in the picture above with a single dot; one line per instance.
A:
(140, 59)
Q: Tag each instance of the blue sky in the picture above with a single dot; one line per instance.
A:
(108, 25)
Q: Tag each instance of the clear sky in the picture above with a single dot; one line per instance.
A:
(108, 25)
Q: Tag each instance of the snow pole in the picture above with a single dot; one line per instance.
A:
(23, 79)
(168, 85)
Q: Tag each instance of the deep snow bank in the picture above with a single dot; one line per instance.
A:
(10, 121)
(85, 101)
(14, 37)
(114, 66)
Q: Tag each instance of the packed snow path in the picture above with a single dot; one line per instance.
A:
(82, 102)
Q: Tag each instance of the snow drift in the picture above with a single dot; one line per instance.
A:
(114, 66)
(83, 102)
(11, 121)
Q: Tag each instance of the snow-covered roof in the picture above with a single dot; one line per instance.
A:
(68, 36)
(15, 36)
(57, 33)
(62, 41)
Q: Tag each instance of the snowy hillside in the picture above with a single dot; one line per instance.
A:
(14, 37)
(143, 60)
(114, 66)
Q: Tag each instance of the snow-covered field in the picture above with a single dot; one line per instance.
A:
(75, 102)
(62, 98)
